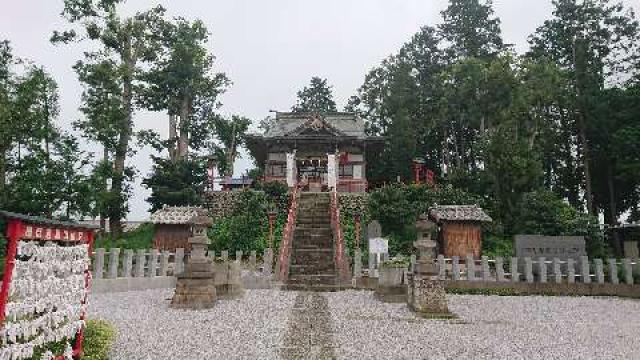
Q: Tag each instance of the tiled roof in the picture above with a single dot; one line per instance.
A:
(346, 123)
(459, 213)
(177, 214)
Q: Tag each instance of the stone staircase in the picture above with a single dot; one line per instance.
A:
(312, 259)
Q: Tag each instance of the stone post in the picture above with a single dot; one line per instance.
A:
(268, 261)
(613, 271)
(571, 271)
(442, 267)
(114, 261)
(542, 267)
(140, 262)
(628, 271)
(98, 267)
(515, 275)
(127, 263)
(486, 273)
(178, 261)
(357, 264)
(557, 273)
(239, 256)
(528, 270)
(455, 268)
(471, 268)
(164, 263)
(412, 265)
(153, 263)
(585, 271)
(252, 261)
(225, 255)
(372, 265)
(599, 271)
(499, 269)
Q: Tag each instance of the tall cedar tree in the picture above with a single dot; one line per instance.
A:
(317, 98)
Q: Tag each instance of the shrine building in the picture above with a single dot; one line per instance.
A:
(315, 151)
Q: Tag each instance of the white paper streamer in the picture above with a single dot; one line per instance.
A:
(45, 299)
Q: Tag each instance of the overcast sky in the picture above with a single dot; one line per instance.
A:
(269, 49)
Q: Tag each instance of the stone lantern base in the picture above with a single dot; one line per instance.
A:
(195, 287)
(427, 297)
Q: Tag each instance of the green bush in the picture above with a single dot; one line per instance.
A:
(99, 336)
(139, 238)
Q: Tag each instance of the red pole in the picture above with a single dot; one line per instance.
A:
(13, 234)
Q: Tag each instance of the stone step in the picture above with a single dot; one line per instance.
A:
(314, 221)
(312, 269)
(324, 279)
(314, 287)
(313, 244)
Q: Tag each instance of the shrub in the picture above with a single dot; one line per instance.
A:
(138, 238)
(99, 336)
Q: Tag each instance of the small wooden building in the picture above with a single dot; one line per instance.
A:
(173, 226)
(460, 229)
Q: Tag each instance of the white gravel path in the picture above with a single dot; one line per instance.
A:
(248, 328)
(489, 327)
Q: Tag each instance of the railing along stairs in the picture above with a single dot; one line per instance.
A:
(340, 257)
(284, 256)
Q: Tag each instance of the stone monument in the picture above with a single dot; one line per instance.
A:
(195, 286)
(425, 290)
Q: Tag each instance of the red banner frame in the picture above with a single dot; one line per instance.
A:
(28, 228)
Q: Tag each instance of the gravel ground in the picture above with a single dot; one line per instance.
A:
(488, 327)
(248, 328)
(360, 327)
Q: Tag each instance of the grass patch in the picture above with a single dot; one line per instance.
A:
(139, 238)
(99, 336)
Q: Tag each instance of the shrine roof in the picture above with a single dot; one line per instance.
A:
(459, 213)
(45, 221)
(178, 215)
(343, 124)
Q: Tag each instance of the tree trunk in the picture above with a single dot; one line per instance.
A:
(183, 141)
(232, 150)
(613, 211)
(105, 188)
(116, 208)
(3, 172)
(173, 135)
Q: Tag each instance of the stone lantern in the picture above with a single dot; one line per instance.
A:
(425, 292)
(195, 287)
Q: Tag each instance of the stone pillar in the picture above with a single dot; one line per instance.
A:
(224, 255)
(239, 256)
(98, 266)
(455, 268)
(628, 271)
(442, 267)
(515, 275)
(164, 263)
(153, 263)
(585, 271)
(268, 261)
(252, 261)
(486, 273)
(571, 271)
(140, 262)
(499, 269)
(528, 270)
(114, 261)
(178, 261)
(127, 263)
(613, 271)
(471, 268)
(542, 268)
(357, 264)
(557, 273)
(599, 271)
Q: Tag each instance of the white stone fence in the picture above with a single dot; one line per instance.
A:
(125, 270)
(527, 270)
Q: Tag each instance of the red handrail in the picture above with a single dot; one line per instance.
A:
(338, 238)
(287, 236)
